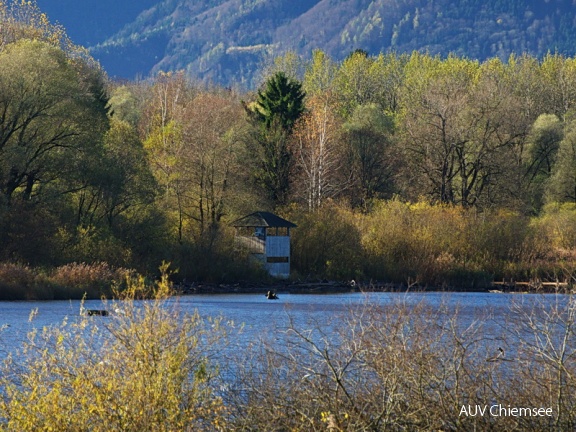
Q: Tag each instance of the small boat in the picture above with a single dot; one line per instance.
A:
(271, 295)
(97, 312)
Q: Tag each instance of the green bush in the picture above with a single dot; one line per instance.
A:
(440, 244)
(326, 243)
(146, 368)
(551, 246)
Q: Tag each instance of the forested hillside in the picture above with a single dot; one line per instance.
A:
(226, 41)
(408, 168)
(89, 22)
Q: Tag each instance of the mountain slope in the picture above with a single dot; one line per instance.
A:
(89, 22)
(225, 41)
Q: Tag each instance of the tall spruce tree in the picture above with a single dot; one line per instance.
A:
(281, 102)
(276, 110)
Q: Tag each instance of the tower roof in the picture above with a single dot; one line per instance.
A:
(263, 219)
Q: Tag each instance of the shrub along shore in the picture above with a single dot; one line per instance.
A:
(396, 246)
(72, 281)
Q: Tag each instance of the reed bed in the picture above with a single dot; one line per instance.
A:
(70, 281)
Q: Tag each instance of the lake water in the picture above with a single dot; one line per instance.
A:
(259, 315)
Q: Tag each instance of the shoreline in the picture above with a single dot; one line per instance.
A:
(333, 287)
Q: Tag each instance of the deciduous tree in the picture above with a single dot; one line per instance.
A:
(372, 162)
(164, 143)
(50, 117)
(211, 157)
(435, 123)
(541, 154)
(561, 185)
(318, 155)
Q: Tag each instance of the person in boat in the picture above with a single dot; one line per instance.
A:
(271, 295)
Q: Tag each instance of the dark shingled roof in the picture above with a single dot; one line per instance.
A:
(263, 219)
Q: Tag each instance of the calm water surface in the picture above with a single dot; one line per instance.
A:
(257, 314)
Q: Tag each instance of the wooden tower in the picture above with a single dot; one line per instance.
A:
(267, 237)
